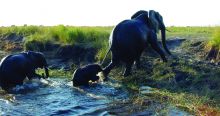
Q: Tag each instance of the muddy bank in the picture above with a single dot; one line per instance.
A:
(58, 56)
(187, 72)
(11, 42)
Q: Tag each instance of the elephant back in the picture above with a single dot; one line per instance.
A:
(3, 61)
(128, 39)
(127, 33)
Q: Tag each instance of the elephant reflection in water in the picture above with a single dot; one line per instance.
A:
(130, 37)
(15, 68)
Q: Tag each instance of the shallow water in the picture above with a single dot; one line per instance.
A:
(58, 97)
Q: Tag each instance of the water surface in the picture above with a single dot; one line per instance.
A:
(58, 97)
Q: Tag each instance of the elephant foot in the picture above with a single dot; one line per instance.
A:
(139, 66)
(126, 74)
(105, 72)
(106, 79)
(105, 75)
(174, 57)
(6, 88)
(165, 60)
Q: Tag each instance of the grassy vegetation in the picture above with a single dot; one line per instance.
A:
(39, 37)
(215, 39)
(191, 86)
(57, 73)
(191, 32)
(213, 46)
(199, 105)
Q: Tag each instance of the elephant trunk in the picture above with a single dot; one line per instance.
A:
(46, 72)
(163, 36)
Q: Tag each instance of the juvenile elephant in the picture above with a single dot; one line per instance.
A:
(128, 40)
(157, 23)
(15, 68)
(83, 75)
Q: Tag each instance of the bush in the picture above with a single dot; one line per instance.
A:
(37, 42)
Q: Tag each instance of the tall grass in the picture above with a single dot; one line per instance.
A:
(21, 30)
(215, 38)
(38, 37)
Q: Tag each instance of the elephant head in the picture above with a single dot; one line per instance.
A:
(39, 61)
(156, 23)
(143, 16)
(139, 13)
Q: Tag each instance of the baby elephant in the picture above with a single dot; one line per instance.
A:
(83, 75)
(16, 67)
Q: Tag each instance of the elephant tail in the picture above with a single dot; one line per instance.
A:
(105, 56)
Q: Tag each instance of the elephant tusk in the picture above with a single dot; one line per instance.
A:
(168, 30)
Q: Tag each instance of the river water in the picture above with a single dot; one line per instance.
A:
(58, 97)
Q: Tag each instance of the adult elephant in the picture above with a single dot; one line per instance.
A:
(128, 40)
(15, 68)
(157, 24)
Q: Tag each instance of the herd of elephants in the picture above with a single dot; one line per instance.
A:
(127, 41)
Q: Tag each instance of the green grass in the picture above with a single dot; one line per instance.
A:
(215, 38)
(22, 30)
(55, 73)
(186, 101)
(191, 86)
(191, 32)
(38, 37)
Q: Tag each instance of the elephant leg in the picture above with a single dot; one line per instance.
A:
(19, 80)
(137, 63)
(107, 69)
(94, 78)
(32, 75)
(127, 71)
(154, 44)
(5, 86)
(20, 83)
(111, 65)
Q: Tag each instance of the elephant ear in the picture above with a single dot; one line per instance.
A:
(143, 15)
(37, 58)
(145, 19)
(154, 20)
(135, 15)
(31, 55)
(160, 20)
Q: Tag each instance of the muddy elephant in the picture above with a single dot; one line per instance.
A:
(157, 24)
(83, 75)
(128, 40)
(15, 68)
